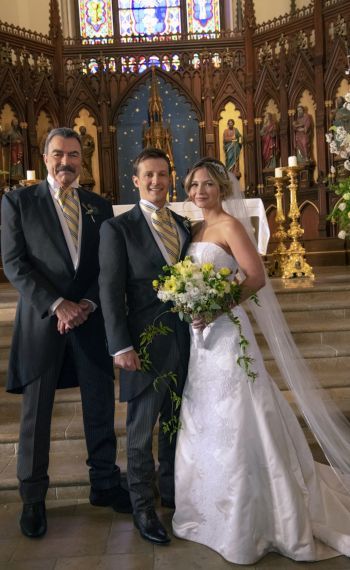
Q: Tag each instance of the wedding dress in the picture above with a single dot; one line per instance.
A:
(245, 480)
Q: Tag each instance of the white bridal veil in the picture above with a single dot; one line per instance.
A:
(328, 424)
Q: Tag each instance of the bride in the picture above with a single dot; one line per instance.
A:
(245, 480)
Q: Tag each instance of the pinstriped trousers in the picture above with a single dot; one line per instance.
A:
(143, 412)
(97, 394)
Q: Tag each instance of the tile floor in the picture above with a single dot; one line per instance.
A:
(81, 537)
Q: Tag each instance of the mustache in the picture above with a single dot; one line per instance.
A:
(65, 168)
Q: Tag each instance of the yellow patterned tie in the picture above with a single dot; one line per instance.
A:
(70, 208)
(165, 226)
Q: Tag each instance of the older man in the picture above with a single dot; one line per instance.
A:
(50, 239)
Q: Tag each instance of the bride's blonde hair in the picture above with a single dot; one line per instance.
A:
(217, 172)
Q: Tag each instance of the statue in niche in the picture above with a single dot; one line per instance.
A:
(269, 141)
(88, 149)
(302, 127)
(232, 139)
(340, 115)
(15, 141)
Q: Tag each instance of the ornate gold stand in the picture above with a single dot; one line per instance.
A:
(279, 255)
(295, 264)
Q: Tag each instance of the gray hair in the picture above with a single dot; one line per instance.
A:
(64, 132)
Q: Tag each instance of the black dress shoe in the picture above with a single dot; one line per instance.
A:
(116, 497)
(150, 526)
(168, 503)
(33, 520)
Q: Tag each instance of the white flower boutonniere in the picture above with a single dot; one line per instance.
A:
(90, 211)
(187, 224)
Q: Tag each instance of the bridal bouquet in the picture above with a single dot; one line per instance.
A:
(203, 291)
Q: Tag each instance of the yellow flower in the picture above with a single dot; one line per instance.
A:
(225, 271)
(207, 267)
(155, 283)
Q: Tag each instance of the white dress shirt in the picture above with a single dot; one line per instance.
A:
(73, 251)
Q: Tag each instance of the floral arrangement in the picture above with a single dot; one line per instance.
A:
(341, 211)
(195, 290)
(203, 291)
(339, 145)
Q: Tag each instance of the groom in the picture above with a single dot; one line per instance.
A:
(133, 249)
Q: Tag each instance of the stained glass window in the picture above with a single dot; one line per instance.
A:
(96, 21)
(149, 17)
(203, 16)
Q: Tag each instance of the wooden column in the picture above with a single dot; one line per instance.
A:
(249, 25)
(319, 57)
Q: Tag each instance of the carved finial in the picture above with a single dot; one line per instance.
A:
(55, 30)
(249, 14)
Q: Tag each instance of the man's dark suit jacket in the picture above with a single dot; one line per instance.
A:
(37, 262)
(130, 260)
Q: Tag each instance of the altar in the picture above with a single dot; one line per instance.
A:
(255, 208)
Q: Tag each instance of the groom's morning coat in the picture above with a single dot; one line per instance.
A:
(37, 262)
(130, 260)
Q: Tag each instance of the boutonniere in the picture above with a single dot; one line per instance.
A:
(187, 224)
(90, 211)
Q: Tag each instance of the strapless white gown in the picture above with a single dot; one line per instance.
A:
(245, 480)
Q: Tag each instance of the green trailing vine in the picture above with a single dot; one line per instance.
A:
(173, 425)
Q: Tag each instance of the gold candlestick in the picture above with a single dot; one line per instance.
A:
(279, 254)
(295, 264)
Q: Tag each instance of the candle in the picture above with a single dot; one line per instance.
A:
(278, 172)
(292, 161)
(31, 175)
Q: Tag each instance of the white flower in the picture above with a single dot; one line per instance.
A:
(342, 206)
(342, 234)
(329, 137)
(347, 164)
(346, 196)
(347, 97)
(333, 169)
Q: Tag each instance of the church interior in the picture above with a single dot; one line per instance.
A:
(261, 86)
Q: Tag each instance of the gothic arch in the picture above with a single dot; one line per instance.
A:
(82, 96)
(13, 96)
(301, 80)
(142, 79)
(266, 89)
(230, 90)
(44, 98)
(335, 70)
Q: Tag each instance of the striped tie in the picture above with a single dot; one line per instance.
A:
(70, 208)
(165, 226)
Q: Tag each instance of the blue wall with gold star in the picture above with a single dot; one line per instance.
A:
(184, 128)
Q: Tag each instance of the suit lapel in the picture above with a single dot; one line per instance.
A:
(89, 228)
(49, 218)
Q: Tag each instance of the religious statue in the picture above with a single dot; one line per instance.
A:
(269, 141)
(340, 115)
(302, 127)
(88, 149)
(232, 146)
(15, 142)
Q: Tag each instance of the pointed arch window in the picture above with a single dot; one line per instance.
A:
(149, 18)
(104, 21)
(203, 16)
